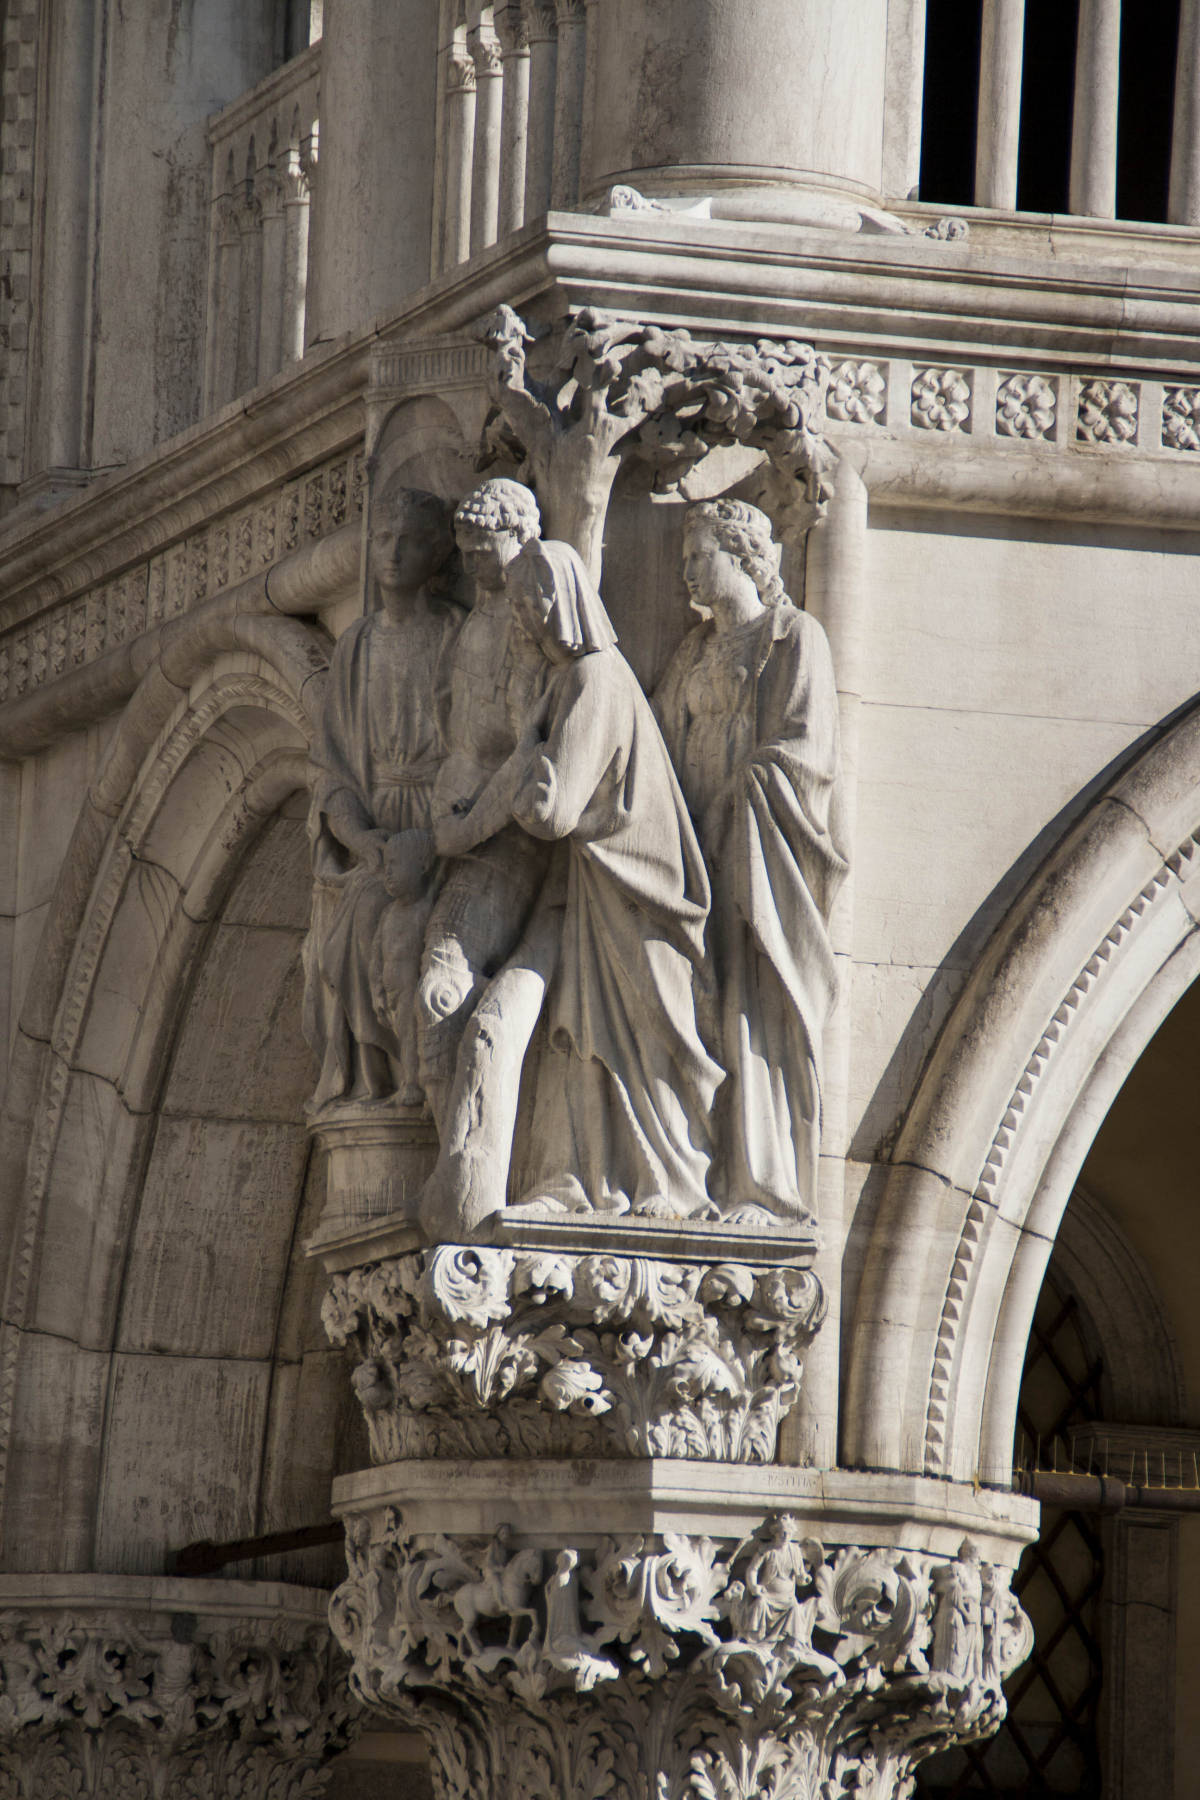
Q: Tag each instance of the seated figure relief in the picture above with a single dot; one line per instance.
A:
(749, 710)
(591, 941)
(374, 758)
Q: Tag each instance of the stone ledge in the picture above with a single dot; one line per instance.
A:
(583, 1499)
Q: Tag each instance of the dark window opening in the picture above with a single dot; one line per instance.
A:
(1149, 45)
(948, 117)
(1149, 48)
(1047, 87)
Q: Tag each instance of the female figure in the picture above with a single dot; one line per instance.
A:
(749, 711)
(624, 1087)
(374, 759)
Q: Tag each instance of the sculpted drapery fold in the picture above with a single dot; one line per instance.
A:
(749, 711)
(569, 975)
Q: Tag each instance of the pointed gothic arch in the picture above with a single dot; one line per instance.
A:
(1066, 996)
(204, 755)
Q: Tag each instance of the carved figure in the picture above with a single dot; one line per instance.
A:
(483, 686)
(374, 758)
(957, 1650)
(624, 1086)
(503, 1591)
(749, 711)
(567, 1647)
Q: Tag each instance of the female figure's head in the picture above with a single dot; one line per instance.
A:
(412, 539)
(730, 561)
(555, 602)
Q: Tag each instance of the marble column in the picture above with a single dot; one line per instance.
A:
(513, 33)
(542, 27)
(1183, 206)
(273, 279)
(372, 225)
(135, 145)
(484, 49)
(460, 137)
(1093, 188)
(568, 100)
(997, 141)
(62, 319)
(782, 92)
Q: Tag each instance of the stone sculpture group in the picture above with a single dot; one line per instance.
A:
(586, 929)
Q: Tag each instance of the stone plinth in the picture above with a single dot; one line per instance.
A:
(377, 1159)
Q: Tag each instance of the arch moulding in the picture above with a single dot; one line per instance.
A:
(204, 754)
(1066, 996)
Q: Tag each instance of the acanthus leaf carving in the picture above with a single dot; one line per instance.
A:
(677, 1665)
(484, 1350)
(97, 1706)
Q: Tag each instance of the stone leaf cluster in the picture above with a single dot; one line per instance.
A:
(487, 1351)
(618, 388)
(715, 1673)
(92, 1708)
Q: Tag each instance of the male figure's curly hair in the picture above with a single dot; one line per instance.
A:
(501, 505)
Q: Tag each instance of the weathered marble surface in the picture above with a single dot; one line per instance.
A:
(590, 1032)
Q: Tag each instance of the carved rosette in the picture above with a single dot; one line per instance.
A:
(857, 393)
(1181, 419)
(96, 1705)
(1108, 412)
(675, 1667)
(489, 1351)
(1026, 406)
(941, 400)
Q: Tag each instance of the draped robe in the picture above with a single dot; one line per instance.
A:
(377, 740)
(767, 822)
(624, 1085)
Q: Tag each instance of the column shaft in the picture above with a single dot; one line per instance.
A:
(485, 154)
(460, 135)
(539, 153)
(514, 116)
(1001, 51)
(904, 91)
(372, 226)
(1094, 127)
(274, 277)
(835, 592)
(568, 101)
(62, 309)
(1183, 206)
(295, 271)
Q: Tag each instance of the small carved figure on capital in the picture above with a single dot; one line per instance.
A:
(749, 711)
(374, 757)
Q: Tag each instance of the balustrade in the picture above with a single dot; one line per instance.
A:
(1095, 86)
(512, 110)
(264, 159)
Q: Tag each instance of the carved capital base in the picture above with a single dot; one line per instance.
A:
(136, 1689)
(675, 1665)
(539, 1349)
